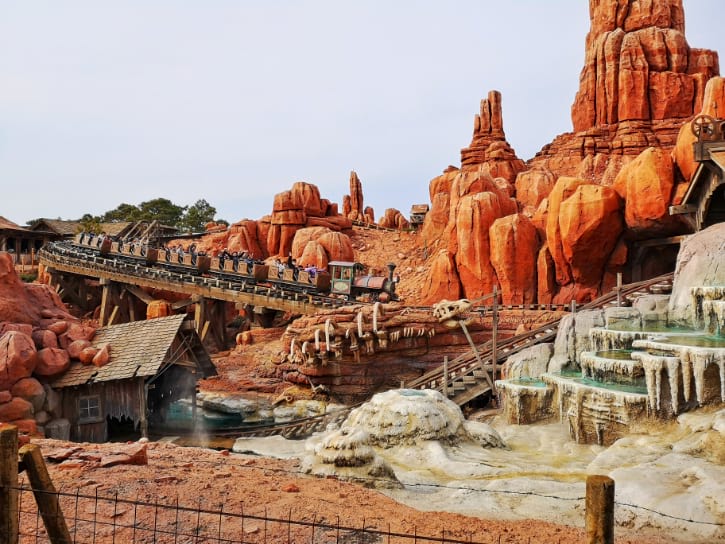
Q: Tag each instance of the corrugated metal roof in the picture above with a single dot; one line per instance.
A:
(137, 349)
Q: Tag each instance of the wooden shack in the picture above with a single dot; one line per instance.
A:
(152, 364)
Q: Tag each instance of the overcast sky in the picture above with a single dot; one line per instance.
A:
(232, 101)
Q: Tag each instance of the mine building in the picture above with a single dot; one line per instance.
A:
(152, 364)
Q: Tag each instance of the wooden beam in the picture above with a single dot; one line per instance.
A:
(105, 302)
(45, 494)
(139, 293)
(8, 484)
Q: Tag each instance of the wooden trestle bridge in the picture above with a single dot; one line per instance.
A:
(122, 280)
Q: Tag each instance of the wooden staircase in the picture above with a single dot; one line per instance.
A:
(469, 376)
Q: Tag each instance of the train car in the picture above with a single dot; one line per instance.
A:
(344, 279)
(347, 279)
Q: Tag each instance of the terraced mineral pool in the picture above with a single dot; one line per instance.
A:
(653, 327)
(640, 389)
(528, 382)
(618, 354)
(700, 341)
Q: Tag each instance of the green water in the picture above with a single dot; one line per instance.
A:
(618, 354)
(639, 388)
(529, 382)
(180, 416)
(654, 327)
(700, 341)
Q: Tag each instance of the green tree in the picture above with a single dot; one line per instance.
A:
(124, 212)
(162, 210)
(90, 223)
(198, 215)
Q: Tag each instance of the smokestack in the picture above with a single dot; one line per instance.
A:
(391, 269)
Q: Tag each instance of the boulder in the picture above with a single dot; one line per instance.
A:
(25, 328)
(699, 264)
(31, 390)
(514, 249)
(76, 347)
(59, 327)
(313, 255)
(58, 429)
(646, 186)
(16, 409)
(442, 281)
(44, 338)
(52, 362)
(76, 331)
(337, 246)
(18, 358)
(530, 362)
(103, 356)
(86, 356)
(394, 219)
(563, 189)
(157, 308)
(533, 186)
(590, 223)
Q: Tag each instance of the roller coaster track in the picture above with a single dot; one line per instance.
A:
(69, 258)
(471, 374)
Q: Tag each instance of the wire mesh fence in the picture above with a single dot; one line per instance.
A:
(113, 519)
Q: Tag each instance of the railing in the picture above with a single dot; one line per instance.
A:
(464, 369)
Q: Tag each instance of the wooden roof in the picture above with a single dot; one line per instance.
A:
(138, 349)
(71, 228)
(9, 225)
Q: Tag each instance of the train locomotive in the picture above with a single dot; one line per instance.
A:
(344, 279)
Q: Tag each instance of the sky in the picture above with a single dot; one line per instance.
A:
(232, 101)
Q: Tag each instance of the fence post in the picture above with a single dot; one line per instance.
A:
(45, 494)
(445, 376)
(600, 510)
(8, 484)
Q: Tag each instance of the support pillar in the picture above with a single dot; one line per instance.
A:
(8, 484)
(106, 301)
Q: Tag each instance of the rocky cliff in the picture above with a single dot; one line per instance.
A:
(561, 226)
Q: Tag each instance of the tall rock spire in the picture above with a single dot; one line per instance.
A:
(639, 66)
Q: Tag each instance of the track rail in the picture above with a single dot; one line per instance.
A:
(74, 259)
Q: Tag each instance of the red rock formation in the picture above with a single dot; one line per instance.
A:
(16, 409)
(638, 65)
(18, 358)
(394, 219)
(563, 189)
(514, 248)
(489, 143)
(319, 245)
(646, 186)
(442, 281)
(157, 308)
(103, 356)
(31, 390)
(590, 223)
(52, 362)
(355, 211)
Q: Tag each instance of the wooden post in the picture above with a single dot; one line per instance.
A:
(445, 376)
(143, 393)
(600, 510)
(619, 289)
(45, 494)
(105, 301)
(494, 338)
(200, 315)
(8, 484)
(573, 306)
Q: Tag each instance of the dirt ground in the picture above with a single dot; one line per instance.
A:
(255, 486)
